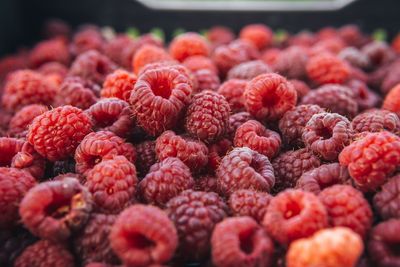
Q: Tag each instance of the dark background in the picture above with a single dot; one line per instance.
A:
(21, 20)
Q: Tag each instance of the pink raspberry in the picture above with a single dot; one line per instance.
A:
(86, 39)
(233, 90)
(387, 201)
(206, 80)
(114, 49)
(248, 70)
(54, 50)
(365, 97)
(355, 57)
(196, 63)
(291, 63)
(218, 35)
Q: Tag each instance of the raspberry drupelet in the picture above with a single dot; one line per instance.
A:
(258, 34)
(206, 183)
(376, 120)
(326, 68)
(20, 121)
(146, 157)
(233, 90)
(187, 45)
(119, 84)
(148, 54)
(54, 50)
(387, 201)
(248, 70)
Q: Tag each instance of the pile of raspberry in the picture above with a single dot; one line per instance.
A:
(217, 150)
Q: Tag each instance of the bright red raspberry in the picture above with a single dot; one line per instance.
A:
(54, 210)
(372, 159)
(378, 52)
(195, 63)
(195, 215)
(86, 39)
(301, 88)
(206, 183)
(387, 201)
(396, 44)
(54, 50)
(334, 247)
(270, 55)
(241, 242)
(165, 180)
(248, 70)
(236, 120)
(119, 84)
(218, 35)
(269, 96)
(258, 34)
(294, 214)
(217, 151)
(233, 90)
(146, 157)
(326, 68)
(291, 62)
(376, 120)
(206, 80)
(148, 54)
(355, 57)
(159, 98)
(20, 121)
(243, 168)
(187, 45)
(365, 97)
(143, 235)
(114, 49)
(391, 101)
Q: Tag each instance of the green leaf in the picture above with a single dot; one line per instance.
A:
(178, 31)
(158, 33)
(133, 32)
(379, 35)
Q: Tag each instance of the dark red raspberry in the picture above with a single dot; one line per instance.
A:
(128, 53)
(165, 180)
(372, 159)
(236, 120)
(326, 134)
(54, 210)
(56, 133)
(243, 168)
(56, 28)
(207, 117)
(241, 242)
(26, 158)
(206, 183)
(326, 68)
(376, 120)
(217, 151)
(352, 35)
(44, 253)
(323, 177)
(143, 235)
(159, 98)
(251, 203)
(258, 34)
(378, 52)
(248, 70)
(119, 84)
(387, 201)
(233, 91)
(364, 97)
(9, 147)
(220, 35)
(148, 54)
(206, 80)
(391, 101)
(294, 214)
(384, 243)
(187, 45)
(88, 38)
(54, 50)
(195, 215)
(347, 207)
(301, 88)
(291, 62)
(146, 157)
(355, 57)
(254, 135)
(96, 147)
(114, 49)
(391, 79)
(269, 96)
(333, 98)
(20, 121)
(196, 63)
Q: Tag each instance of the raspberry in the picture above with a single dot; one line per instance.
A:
(387, 201)
(371, 159)
(333, 98)
(291, 62)
(56, 28)
(55, 50)
(294, 214)
(220, 35)
(53, 68)
(14, 184)
(56, 133)
(26, 158)
(251, 203)
(269, 96)
(207, 116)
(325, 68)
(12, 243)
(391, 79)
(88, 38)
(25, 87)
(243, 168)
(391, 101)
(206, 183)
(332, 45)
(248, 70)
(254, 135)
(206, 80)
(378, 52)
(352, 35)
(347, 207)
(196, 63)
(96, 147)
(323, 177)
(376, 120)
(217, 151)
(270, 55)
(355, 57)
(187, 45)
(9, 147)
(148, 54)
(119, 84)
(195, 215)
(20, 121)
(233, 90)
(258, 34)
(9, 64)
(165, 180)
(335, 247)
(54, 210)
(384, 243)
(150, 39)
(364, 97)
(240, 242)
(293, 122)
(326, 134)
(236, 120)
(44, 253)
(112, 114)
(128, 53)
(301, 88)
(159, 98)
(396, 44)
(114, 48)
(146, 157)
(143, 235)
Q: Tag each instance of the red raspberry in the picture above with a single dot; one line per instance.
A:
(217, 151)
(150, 38)
(376, 120)
(25, 87)
(54, 210)
(56, 133)
(378, 52)
(241, 242)
(114, 48)
(195, 63)
(384, 243)
(148, 54)
(396, 44)
(119, 84)
(347, 207)
(14, 184)
(325, 68)
(207, 117)
(159, 98)
(20, 121)
(56, 28)
(233, 91)
(248, 70)
(96, 147)
(9, 64)
(143, 235)
(301, 88)
(251, 203)
(187, 45)
(291, 62)
(88, 38)
(391, 79)
(387, 201)
(293, 122)
(26, 158)
(391, 101)
(55, 50)
(146, 157)
(258, 34)
(323, 177)
(206, 183)
(195, 215)
(128, 53)
(294, 214)
(220, 35)
(332, 45)
(236, 120)
(270, 55)
(334, 247)
(355, 57)
(243, 168)
(9, 147)
(352, 35)
(165, 180)
(364, 97)
(269, 96)
(303, 38)
(206, 80)
(333, 98)
(326, 134)
(45, 254)
(53, 68)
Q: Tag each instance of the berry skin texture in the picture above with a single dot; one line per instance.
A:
(53, 210)
(143, 235)
(326, 68)
(55, 50)
(391, 101)
(387, 201)
(372, 159)
(187, 45)
(148, 54)
(243, 168)
(146, 157)
(294, 214)
(119, 84)
(195, 215)
(206, 183)
(20, 121)
(347, 207)
(241, 242)
(376, 120)
(233, 90)
(165, 180)
(254, 135)
(248, 70)
(269, 96)
(258, 34)
(207, 117)
(236, 120)
(334, 247)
